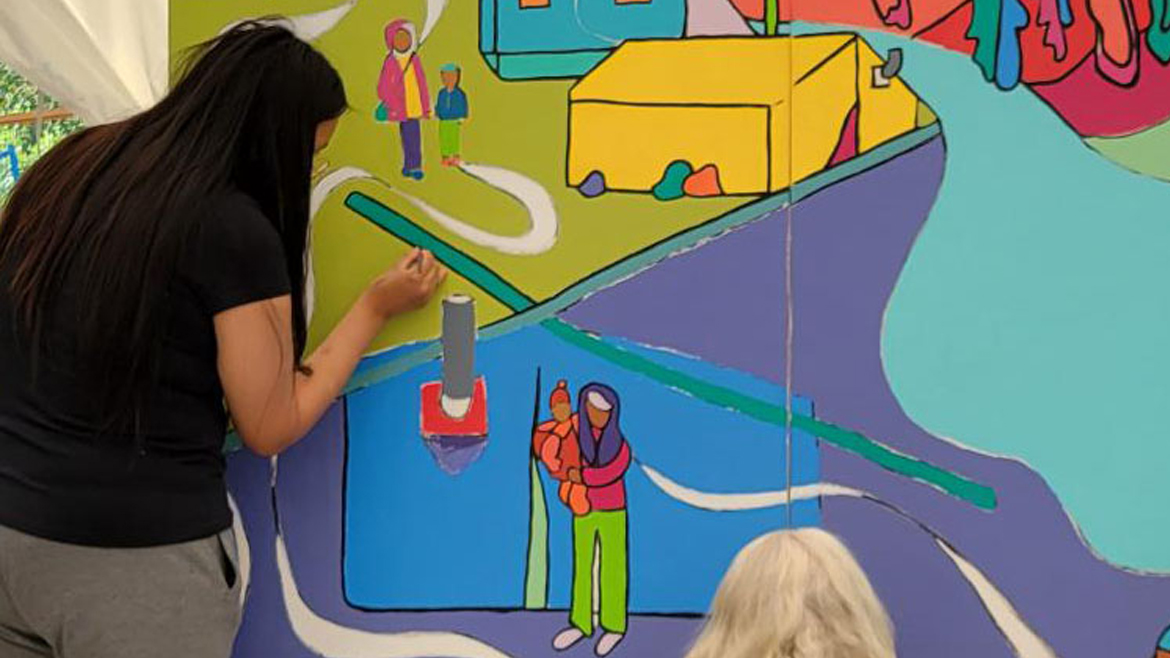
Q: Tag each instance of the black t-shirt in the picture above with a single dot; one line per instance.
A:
(63, 480)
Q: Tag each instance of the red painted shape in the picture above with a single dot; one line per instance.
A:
(847, 144)
(1039, 59)
(753, 9)
(435, 422)
(951, 32)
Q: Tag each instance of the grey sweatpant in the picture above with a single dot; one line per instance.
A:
(65, 601)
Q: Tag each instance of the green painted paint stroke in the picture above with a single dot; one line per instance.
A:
(973, 492)
(1158, 34)
(985, 27)
(771, 15)
(536, 570)
(1146, 152)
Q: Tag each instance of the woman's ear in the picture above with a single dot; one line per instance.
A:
(323, 134)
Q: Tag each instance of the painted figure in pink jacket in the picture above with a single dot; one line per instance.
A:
(599, 533)
(402, 90)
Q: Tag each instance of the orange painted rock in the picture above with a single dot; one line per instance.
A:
(704, 182)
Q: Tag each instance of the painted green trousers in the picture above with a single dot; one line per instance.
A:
(450, 138)
(607, 530)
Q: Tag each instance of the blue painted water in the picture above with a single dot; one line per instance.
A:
(417, 537)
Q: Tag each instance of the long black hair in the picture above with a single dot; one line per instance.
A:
(110, 208)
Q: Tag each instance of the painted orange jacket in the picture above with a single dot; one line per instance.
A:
(555, 444)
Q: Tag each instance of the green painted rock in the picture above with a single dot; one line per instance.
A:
(670, 186)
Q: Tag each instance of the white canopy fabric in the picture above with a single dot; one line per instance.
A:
(107, 59)
(103, 59)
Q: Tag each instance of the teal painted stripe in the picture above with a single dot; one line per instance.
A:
(459, 262)
(549, 65)
(973, 492)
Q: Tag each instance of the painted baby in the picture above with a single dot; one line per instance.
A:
(555, 443)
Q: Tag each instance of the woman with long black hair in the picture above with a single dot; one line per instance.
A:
(150, 271)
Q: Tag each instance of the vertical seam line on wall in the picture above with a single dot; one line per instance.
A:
(789, 306)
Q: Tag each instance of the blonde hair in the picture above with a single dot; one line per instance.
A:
(795, 594)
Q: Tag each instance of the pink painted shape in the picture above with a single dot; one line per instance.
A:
(1121, 71)
(899, 15)
(847, 145)
(1054, 35)
(715, 18)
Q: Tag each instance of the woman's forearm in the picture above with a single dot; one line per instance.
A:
(273, 406)
(332, 364)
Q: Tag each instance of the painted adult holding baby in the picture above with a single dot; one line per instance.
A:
(600, 533)
(150, 271)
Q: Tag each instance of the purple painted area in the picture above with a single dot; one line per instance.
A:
(310, 501)
(593, 185)
(850, 242)
(454, 454)
(934, 612)
(697, 302)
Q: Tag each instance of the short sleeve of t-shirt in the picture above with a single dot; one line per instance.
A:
(237, 256)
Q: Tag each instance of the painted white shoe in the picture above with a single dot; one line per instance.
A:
(608, 643)
(567, 638)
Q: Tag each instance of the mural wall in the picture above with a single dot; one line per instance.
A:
(889, 267)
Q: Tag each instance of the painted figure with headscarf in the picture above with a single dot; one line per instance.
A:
(599, 534)
(402, 90)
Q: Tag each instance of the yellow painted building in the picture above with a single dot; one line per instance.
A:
(765, 111)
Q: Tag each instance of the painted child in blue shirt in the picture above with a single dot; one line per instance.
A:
(451, 109)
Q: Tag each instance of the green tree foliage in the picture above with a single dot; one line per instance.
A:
(18, 95)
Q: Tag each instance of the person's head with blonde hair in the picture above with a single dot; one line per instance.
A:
(795, 594)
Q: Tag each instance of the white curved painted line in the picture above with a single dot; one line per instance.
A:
(336, 641)
(435, 9)
(308, 26)
(542, 213)
(737, 502)
(1024, 641)
(330, 182)
(243, 550)
(320, 192)
(543, 222)
(585, 28)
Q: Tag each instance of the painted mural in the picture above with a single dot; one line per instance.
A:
(890, 267)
